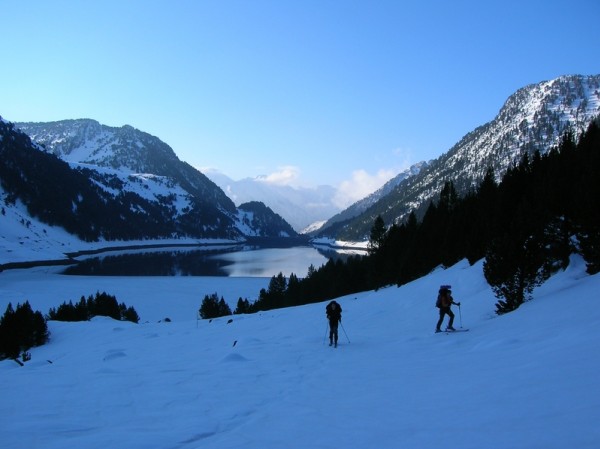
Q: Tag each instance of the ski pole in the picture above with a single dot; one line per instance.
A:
(460, 315)
(325, 336)
(345, 332)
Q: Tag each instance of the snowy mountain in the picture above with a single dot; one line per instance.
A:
(526, 380)
(124, 150)
(261, 221)
(301, 207)
(532, 119)
(109, 184)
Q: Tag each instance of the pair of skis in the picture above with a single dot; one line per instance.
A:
(450, 331)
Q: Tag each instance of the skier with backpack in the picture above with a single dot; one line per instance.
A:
(334, 315)
(444, 302)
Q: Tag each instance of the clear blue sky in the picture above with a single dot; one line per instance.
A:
(345, 93)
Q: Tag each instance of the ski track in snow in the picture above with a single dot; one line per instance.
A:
(523, 380)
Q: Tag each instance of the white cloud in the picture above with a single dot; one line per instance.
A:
(361, 185)
(284, 176)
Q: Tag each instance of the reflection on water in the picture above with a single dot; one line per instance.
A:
(151, 263)
(235, 262)
(267, 262)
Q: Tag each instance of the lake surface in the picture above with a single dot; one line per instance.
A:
(238, 261)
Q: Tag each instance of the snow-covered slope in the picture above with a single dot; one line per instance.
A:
(526, 380)
(23, 238)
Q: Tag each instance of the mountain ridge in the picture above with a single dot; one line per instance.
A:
(116, 184)
(532, 119)
(87, 142)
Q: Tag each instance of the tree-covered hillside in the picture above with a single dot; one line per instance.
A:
(544, 209)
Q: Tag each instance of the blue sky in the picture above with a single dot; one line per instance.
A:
(346, 93)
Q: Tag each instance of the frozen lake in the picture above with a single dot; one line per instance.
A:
(210, 261)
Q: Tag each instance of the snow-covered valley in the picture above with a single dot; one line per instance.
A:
(269, 380)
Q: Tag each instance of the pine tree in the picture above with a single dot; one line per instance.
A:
(210, 306)
(224, 309)
(586, 214)
(104, 304)
(377, 235)
(513, 268)
(243, 306)
(448, 198)
(9, 342)
(21, 329)
(129, 314)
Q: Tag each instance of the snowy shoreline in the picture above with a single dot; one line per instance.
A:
(69, 257)
(340, 244)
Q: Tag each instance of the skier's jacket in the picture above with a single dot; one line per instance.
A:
(334, 312)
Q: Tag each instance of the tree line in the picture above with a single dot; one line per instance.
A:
(100, 304)
(22, 328)
(526, 226)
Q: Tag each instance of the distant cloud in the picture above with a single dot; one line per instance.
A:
(361, 185)
(284, 176)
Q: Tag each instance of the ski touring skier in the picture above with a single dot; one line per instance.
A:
(444, 302)
(334, 315)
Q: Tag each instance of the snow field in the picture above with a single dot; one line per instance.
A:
(523, 380)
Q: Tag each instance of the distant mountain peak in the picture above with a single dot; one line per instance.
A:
(299, 206)
(86, 141)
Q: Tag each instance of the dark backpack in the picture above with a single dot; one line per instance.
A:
(443, 291)
(334, 311)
